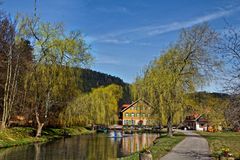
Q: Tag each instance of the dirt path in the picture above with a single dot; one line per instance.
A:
(193, 147)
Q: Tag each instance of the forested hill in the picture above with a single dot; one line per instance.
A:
(92, 79)
(210, 95)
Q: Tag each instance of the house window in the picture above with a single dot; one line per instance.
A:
(133, 114)
(125, 122)
(129, 122)
(133, 122)
(143, 114)
(149, 115)
(126, 114)
(138, 115)
(137, 108)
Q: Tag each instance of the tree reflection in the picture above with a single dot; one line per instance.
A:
(94, 147)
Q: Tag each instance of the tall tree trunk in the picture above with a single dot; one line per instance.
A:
(39, 123)
(169, 126)
(10, 88)
(7, 90)
(39, 126)
(3, 125)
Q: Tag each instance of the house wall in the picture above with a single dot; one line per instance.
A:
(138, 112)
(200, 127)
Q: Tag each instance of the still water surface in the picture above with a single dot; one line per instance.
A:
(84, 147)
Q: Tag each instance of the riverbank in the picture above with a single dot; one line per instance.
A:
(25, 135)
(161, 146)
(223, 142)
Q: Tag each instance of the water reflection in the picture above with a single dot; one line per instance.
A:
(85, 147)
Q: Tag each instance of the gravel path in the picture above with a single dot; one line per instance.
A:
(193, 147)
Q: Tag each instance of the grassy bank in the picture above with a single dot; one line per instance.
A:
(162, 146)
(25, 135)
(220, 141)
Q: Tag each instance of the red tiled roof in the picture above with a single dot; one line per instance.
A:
(125, 105)
(130, 105)
(195, 117)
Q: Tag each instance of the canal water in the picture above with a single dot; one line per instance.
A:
(84, 147)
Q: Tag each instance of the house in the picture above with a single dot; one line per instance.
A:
(137, 113)
(196, 122)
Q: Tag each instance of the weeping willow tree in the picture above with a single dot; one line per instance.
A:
(187, 65)
(98, 107)
(52, 81)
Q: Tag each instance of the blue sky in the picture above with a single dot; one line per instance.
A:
(125, 35)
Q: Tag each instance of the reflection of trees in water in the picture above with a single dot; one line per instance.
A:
(83, 147)
(101, 148)
(19, 152)
(37, 147)
(137, 142)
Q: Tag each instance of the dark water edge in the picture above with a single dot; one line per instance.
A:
(83, 147)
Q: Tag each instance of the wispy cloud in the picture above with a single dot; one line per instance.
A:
(104, 59)
(117, 9)
(129, 35)
(116, 41)
(179, 25)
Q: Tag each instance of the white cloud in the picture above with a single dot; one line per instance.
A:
(179, 25)
(116, 41)
(117, 9)
(129, 35)
(103, 59)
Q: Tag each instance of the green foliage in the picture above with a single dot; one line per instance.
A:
(212, 105)
(52, 81)
(98, 107)
(89, 79)
(180, 70)
(219, 140)
(20, 136)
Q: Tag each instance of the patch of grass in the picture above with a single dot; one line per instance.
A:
(17, 136)
(25, 135)
(162, 146)
(219, 140)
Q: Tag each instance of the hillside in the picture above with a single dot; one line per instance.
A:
(90, 79)
(204, 95)
(93, 79)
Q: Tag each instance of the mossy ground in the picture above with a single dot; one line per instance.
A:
(25, 135)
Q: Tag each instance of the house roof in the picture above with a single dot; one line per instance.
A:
(196, 117)
(133, 103)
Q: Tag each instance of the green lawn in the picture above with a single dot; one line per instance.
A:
(219, 140)
(24, 135)
(162, 146)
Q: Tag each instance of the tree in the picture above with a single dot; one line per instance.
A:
(98, 107)
(55, 53)
(184, 67)
(212, 105)
(232, 113)
(7, 47)
(15, 52)
(229, 47)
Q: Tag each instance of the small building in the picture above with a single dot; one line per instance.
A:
(137, 113)
(196, 122)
